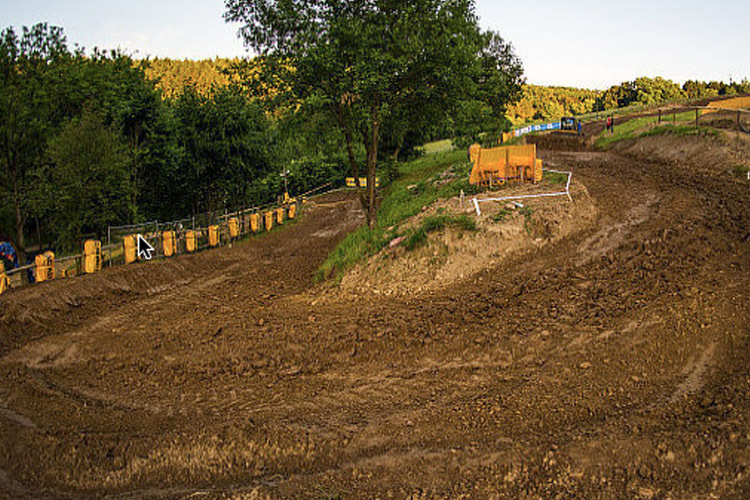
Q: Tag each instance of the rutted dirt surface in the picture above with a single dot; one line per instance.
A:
(613, 363)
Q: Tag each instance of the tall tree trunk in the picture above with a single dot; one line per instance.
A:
(372, 162)
(395, 154)
(134, 147)
(38, 234)
(20, 222)
(339, 113)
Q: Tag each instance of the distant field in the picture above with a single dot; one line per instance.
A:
(631, 128)
(438, 146)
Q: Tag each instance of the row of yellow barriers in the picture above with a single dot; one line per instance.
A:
(91, 259)
(45, 269)
(251, 223)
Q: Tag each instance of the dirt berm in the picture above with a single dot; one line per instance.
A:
(610, 363)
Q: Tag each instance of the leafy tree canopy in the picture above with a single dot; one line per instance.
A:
(366, 61)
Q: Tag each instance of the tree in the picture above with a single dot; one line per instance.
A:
(29, 66)
(223, 137)
(90, 171)
(364, 60)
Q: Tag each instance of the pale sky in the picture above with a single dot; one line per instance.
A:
(582, 43)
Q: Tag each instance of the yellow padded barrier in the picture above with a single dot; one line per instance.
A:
(350, 182)
(191, 241)
(255, 222)
(496, 165)
(279, 215)
(129, 248)
(92, 256)
(292, 211)
(268, 219)
(213, 236)
(45, 267)
(4, 280)
(234, 227)
(169, 243)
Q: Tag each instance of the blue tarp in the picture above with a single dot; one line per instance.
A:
(8, 253)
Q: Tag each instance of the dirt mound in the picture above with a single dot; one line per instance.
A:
(453, 255)
(707, 153)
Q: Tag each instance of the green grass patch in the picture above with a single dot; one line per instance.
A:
(431, 177)
(740, 171)
(680, 130)
(527, 212)
(502, 215)
(650, 126)
(444, 146)
(555, 178)
(418, 237)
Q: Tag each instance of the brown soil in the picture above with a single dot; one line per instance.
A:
(610, 363)
(504, 230)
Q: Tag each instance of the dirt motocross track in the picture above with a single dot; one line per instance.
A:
(612, 364)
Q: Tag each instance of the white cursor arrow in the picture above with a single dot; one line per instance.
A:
(144, 248)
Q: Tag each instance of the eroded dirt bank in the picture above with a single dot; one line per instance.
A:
(610, 364)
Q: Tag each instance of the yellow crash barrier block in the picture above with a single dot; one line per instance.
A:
(350, 182)
(129, 244)
(234, 227)
(213, 236)
(45, 267)
(538, 171)
(268, 219)
(191, 241)
(92, 256)
(255, 222)
(280, 215)
(292, 211)
(169, 243)
(4, 280)
(496, 165)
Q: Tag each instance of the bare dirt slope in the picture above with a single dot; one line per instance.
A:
(610, 364)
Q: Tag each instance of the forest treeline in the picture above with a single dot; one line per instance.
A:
(91, 140)
(536, 103)
(539, 103)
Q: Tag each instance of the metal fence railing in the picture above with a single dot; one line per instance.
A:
(167, 239)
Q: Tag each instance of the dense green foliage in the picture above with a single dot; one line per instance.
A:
(92, 185)
(391, 68)
(550, 103)
(89, 141)
(44, 90)
(541, 104)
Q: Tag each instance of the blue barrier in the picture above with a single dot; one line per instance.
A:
(536, 128)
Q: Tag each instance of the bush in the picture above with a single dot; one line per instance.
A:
(418, 237)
